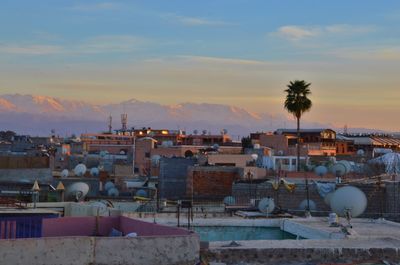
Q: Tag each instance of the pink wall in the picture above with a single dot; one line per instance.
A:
(129, 225)
(85, 226)
(78, 226)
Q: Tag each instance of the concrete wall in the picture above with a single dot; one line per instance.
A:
(173, 177)
(43, 175)
(301, 253)
(177, 250)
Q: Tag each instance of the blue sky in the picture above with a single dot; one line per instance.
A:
(233, 52)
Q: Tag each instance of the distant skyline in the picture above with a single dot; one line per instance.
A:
(233, 52)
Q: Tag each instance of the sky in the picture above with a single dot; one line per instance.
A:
(236, 52)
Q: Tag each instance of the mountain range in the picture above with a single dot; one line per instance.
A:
(38, 115)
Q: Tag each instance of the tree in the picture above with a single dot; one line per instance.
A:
(246, 143)
(297, 103)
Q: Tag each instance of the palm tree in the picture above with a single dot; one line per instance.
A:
(297, 103)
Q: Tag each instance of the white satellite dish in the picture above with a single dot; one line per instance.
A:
(155, 160)
(229, 200)
(266, 205)
(254, 157)
(256, 146)
(94, 171)
(360, 152)
(64, 173)
(311, 203)
(328, 197)
(109, 185)
(80, 170)
(141, 193)
(113, 192)
(348, 199)
(77, 191)
(103, 154)
(321, 171)
(338, 169)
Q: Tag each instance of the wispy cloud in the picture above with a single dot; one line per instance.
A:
(295, 33)
(195, 21)
(221, 60)
(371, 53)
(298, 33)
(95, 6)
(111, 43)
(30, 49)
(97, 44)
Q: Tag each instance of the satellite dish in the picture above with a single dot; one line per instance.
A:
(338, 169)
(347, 165)
(327, 198)
(348, 198)
(229, 200)
(77, 191)
(254, 157)
(80, 170)
(216, 147)
(94, 171)
(64, 173)
(311, 203)
(141, 193)
(155, 160)
(109, 185)
(266, 205)
(256, 146)
(103, 154)
(122, 152)
(280, 153)
(321, 170)
(113, 192)
(360, 152)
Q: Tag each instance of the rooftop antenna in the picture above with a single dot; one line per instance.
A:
(345, 129)
(110, 124)
(124, 121)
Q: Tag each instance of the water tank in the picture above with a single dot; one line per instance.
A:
(348, 198)
(64, 173)
(321, 170)
(266, 205)
(303, 205)
(113, 192)
(77, 191)
(229, 200)
(141, 193)
(80, 170)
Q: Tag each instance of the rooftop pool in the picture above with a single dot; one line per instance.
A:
(229, 233)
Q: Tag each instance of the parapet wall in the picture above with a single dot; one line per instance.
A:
(175, 250)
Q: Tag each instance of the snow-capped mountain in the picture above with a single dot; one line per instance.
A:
(30, 114)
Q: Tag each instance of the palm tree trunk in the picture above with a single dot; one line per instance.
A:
(298, 144)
